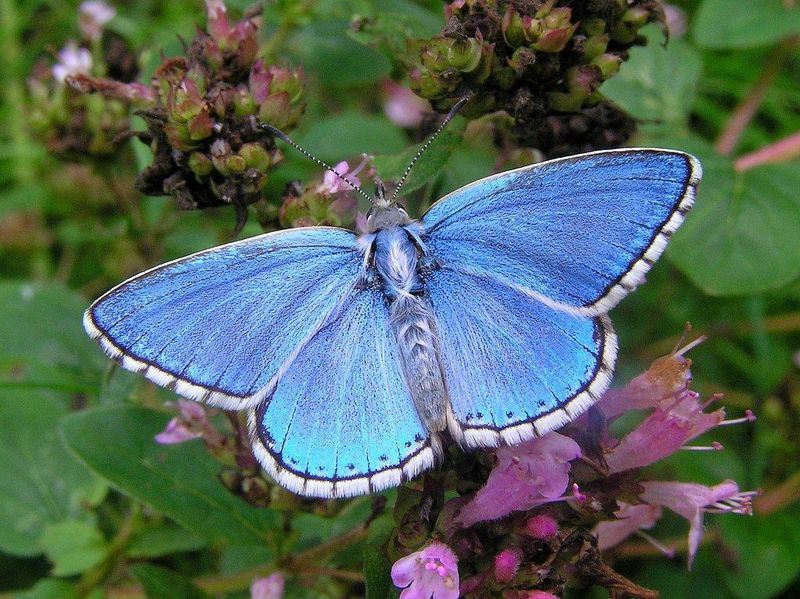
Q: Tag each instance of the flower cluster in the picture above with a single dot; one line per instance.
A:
(551, 504)
(68, 122)
(536, 60)
(331, 202)
(203, 112)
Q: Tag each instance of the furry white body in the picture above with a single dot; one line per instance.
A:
(396, 260)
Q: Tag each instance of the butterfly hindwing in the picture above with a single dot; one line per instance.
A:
(577, 232)
(219, 325)
(514, 367)
(341, 420)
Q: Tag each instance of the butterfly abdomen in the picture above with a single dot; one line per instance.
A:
(396, 260)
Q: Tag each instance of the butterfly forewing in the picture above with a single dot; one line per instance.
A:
(219, 325)
(577, 232)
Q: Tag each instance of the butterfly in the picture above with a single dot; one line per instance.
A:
(485, 320)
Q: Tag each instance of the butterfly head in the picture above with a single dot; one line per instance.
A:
(385, 212)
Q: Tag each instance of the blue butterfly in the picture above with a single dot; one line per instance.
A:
(485, 319)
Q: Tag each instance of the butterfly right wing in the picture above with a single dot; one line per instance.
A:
(219, 326)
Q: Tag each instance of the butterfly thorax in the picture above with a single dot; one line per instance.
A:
(396, 256)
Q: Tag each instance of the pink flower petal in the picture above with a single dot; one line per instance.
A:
(526, 475)
(176, 432)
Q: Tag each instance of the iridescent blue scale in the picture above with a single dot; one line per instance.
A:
(356, 357)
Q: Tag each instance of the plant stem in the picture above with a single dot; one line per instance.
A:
(95, 576)
(747, 109)
(787, 493)
(780, 151)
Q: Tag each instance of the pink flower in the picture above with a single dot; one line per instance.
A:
(663, 433)
(192, 423)
(428, 574)
(541, 526)
(691, 500)
(657, 387)
(331, 184)
(270, 587)
(72, 60)
(177, 432)
(526, 475)
(506, 564)
(402, 106)
(631, 518)
(93, 16)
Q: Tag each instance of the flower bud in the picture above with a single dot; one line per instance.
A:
(200, 164)
(255, 156)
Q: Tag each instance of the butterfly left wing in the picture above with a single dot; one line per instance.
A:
(219, 326)
(341, 421)
(578, 233)
(514, 367)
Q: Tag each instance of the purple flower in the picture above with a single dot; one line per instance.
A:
(526, 475)
(631, 519)
(72, 60)
(428, 574)
(663, 433)
(402, 106)
(93, 16)
(270, 587)
(691, 500)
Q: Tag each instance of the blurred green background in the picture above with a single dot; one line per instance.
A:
(90, 506)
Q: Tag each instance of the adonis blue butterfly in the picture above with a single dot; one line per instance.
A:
(354, 355)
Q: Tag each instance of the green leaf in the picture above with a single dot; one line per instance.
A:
(41, 483)
(179, 480)
(430, 164)
(766, 550)
(377, 567)
(161, 583)
(350, 134)
(742, 235)
(44, 344)
(338, 61)
(736, 24)
(50, 589)
(73, 546)
(164, 540)
(657, 84)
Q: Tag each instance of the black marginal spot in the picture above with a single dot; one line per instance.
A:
(293, 461)
(479, 415)
(540, 403)
(351, 466)
(468, 417)
(321, 468)
(418, 438)
(408, 443)
(383, 457)
(509, 415)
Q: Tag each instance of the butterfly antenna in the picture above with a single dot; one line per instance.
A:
(280, 134)
(453, 111)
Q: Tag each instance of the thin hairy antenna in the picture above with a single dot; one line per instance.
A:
(280, 134)
(453, 111)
